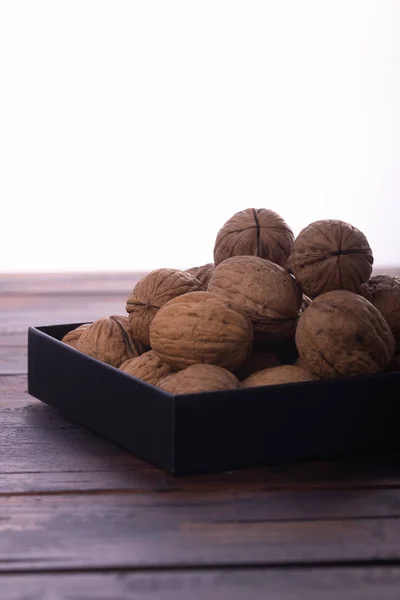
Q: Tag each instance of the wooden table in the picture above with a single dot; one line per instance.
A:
(80, 518)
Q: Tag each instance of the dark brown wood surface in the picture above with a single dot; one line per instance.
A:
(81, 518)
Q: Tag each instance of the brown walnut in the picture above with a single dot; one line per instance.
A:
(341, 334)
(264, 290)
(153, 291)
(383, 291)
(110, 340)
(71, 338)
(394, 364)
(255, 232)
(277, 376)
(300, 363)
(256, 361)
(330, 255)
(148, 367)
(200, 327)
(199, 378)
(202, 273)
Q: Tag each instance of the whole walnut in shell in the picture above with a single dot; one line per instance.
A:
(201, 327)
(256, 361)
(255, 232)
(330, 255)
(199, 378)
(264, 290)
(341, 333)
(278, 375)
(383, 291)
(394, 364)
(153, 291)
(148, 367)
(71, 338)
(110, 340)
(202, 273)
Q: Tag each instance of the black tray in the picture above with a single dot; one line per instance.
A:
(214, 431)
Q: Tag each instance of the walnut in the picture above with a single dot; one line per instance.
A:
(394, 364)
(148, 367)
(202, 273)
(153, 291)
(330, 255)
(383, 291)
(341, 334)
(300, 363)
(200, 327)
(255, 232)
(71, 338)
(256, 361)
(267, 292)
(110, 340)
(278, 375)
(199, 378)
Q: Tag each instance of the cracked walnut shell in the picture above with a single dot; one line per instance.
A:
(264, 290)
(153, 291)
(330, 255)
(71, 338)
(110, 340)
(199, 378)
(277, 376)
(200, 327)
(148, 367)
(342, 334)
(254, 232)
(383, 291)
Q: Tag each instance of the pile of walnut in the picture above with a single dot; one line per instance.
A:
(270, 310)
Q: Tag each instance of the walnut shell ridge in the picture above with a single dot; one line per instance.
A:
(255, 232)
(330, 255)
(148, 367)
(199, 378)
(200, 327)
(153, 291)
(278, 375)
(383, 291)
(71, 338)
(110, 340)
(342, 334)
(265, 291)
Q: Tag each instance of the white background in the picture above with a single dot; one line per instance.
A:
(130, 131)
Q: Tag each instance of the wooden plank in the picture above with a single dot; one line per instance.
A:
(68, 283)
(13, 358)
(257, 584)
(17, 313)
(41, 451)
(106, 531)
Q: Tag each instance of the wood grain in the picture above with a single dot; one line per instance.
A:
(68, 283)
(81, 518)
(256, 584)
(41, 451)
(17, 313)
(139, 531)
